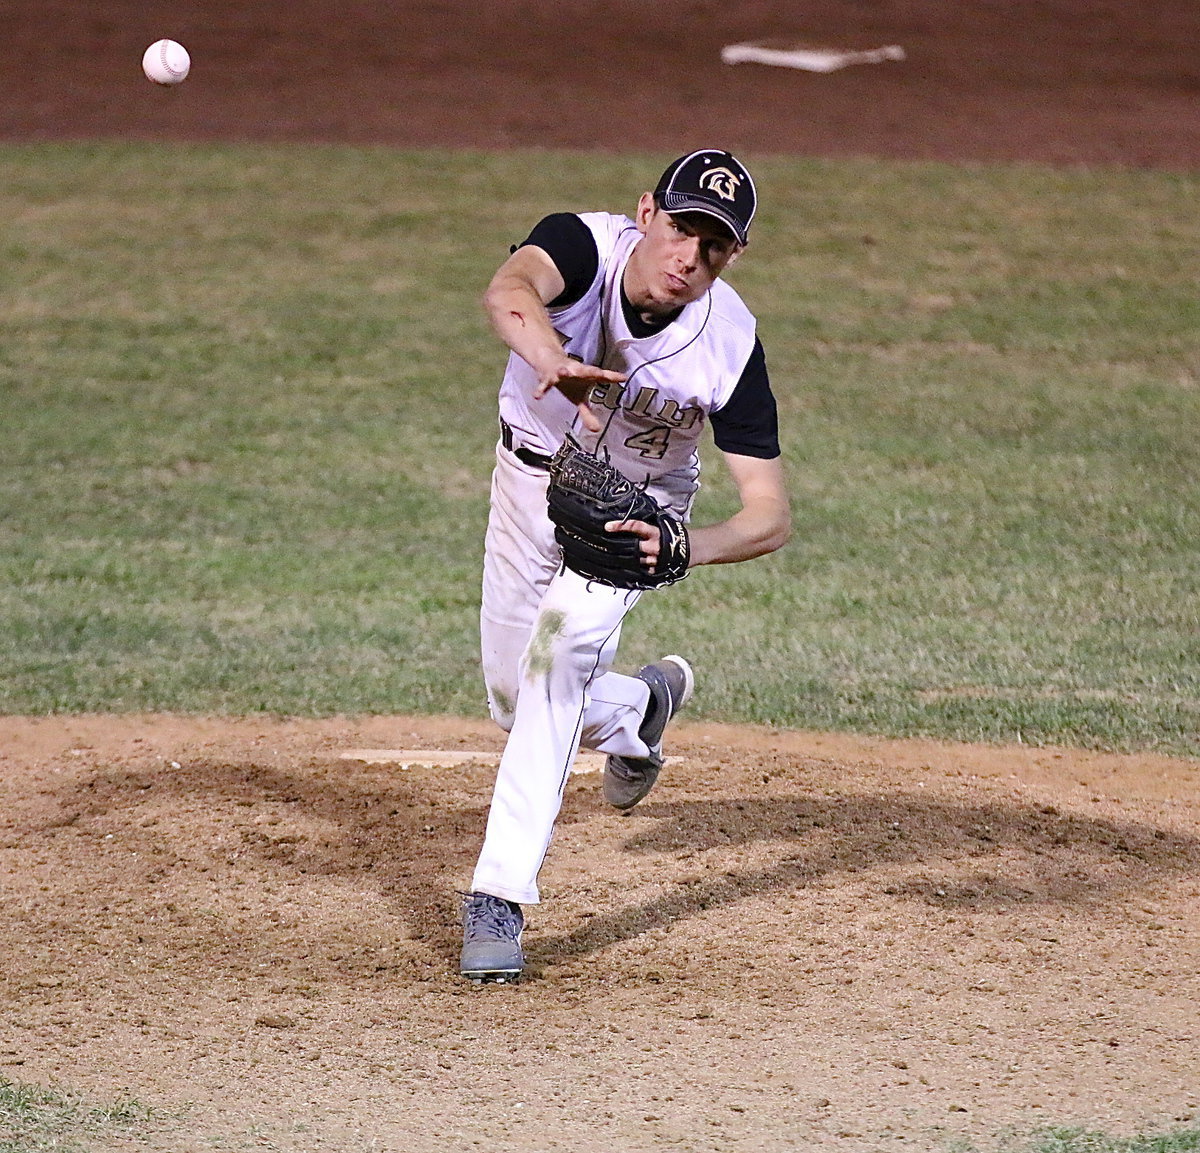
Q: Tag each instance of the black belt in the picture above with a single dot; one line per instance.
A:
(525, 455)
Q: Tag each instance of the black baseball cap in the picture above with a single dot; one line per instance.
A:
(713, 182)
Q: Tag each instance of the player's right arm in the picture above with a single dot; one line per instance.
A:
(516, 304)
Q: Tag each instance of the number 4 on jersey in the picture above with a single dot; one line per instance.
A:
(652, 443)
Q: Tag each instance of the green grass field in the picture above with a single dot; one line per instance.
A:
(247, 397)
(34, 1119)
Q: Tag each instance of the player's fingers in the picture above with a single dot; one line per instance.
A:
(603, 374)
(637, 527)
(592, 373)
(576, 391)
(570, 387)
(590, 420)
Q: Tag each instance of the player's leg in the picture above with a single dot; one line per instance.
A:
(575, 625)
(519, 560)
(628, 778)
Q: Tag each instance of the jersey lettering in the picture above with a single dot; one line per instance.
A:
(607, 393)
(679, 417)
(641, 402)
(611, 395)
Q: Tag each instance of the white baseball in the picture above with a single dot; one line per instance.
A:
(166, 62)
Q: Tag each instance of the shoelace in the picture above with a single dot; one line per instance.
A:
(492, 919)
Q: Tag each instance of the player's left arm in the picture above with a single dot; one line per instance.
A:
(746, 431)
(762, 525)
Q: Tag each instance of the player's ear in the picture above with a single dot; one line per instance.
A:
(645, 211)
(738, 249)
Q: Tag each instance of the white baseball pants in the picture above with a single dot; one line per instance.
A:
(549, 638)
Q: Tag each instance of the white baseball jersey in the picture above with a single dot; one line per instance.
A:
(675, 376)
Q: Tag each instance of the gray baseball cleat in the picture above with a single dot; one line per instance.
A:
(491, 948)
(628, 779)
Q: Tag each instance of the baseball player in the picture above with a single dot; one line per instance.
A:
(623, 337)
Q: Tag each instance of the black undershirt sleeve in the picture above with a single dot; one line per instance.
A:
(748, 423)
(570, 244)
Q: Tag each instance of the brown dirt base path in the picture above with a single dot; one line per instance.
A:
(1092, 82)
(798, 941)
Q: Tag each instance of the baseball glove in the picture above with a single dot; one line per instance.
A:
(586, 493)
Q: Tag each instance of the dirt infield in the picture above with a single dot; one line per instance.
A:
(799, 941)
(1065, 81)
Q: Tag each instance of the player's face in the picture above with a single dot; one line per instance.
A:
(677, 259)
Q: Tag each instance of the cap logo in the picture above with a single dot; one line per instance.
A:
(721, 181)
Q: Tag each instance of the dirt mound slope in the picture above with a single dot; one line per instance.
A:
(800, 939)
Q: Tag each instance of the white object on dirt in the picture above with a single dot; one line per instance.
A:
(805, 56)
(447, 758)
